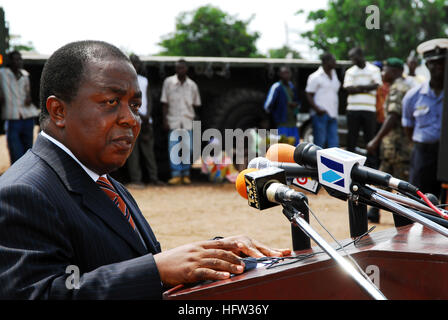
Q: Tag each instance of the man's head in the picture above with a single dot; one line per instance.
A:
(15, 61)
(328, 61)
(393, 69)
(434, 52)
(412, 62)
(284, 74)
(356, 55)
(89, 96)
(181, 68)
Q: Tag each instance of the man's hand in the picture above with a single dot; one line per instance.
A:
(292, 104)
(372, 146)
(209, 260)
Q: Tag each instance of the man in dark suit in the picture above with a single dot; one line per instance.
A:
(61, 212)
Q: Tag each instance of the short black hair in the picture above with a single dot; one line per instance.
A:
(14, 52)
(182, 61)
(356, 50)
(9, 57)
(64, 70)
(326, 56)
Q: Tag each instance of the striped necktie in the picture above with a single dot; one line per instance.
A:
(110, 191)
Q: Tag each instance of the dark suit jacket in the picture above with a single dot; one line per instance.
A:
(53, 215)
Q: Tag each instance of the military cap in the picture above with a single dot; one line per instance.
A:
(433, 49)
(395, 62)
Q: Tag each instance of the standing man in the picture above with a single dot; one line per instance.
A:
(395, 152)
(361, 82)
(322, 93)
(412, 78)
(16, 105)
(282, 103)
(70, 231)
(180, 97)
(422, 118)
(144, 147)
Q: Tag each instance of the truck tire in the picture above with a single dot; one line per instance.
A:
(241, 109)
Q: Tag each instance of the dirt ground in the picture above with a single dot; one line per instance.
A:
(183, 214)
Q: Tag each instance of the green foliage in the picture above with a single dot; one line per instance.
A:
(403, 25)
(15, 43)
(208, 31)
(283, 53)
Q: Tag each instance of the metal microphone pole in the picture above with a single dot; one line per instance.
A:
(368, 193)
(295, 217)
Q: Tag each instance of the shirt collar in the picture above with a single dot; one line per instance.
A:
(426, 90)
(91, 173)
(322, 71)
(23, 73)
(178, 81)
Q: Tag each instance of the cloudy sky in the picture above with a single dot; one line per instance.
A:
(138, 25)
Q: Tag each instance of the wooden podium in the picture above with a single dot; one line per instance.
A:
(409, 262)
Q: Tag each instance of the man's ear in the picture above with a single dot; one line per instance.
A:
(57, 110)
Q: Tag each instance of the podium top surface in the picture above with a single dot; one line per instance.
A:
(405, 258)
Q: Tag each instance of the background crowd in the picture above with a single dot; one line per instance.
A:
(398, 114)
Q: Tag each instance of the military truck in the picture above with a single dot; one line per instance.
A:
(232, 91)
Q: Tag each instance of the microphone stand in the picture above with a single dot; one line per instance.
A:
(296, 218)
(369, 194)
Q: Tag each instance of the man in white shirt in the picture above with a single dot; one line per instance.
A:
(322, 93)
(180, 96)
(16, 106)
(361, 82)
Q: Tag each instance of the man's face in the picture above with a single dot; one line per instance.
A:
(329, 63)
(285, 74)
(436, 69)
(16, 61)
(356, 58)
(412, 63)
(102, 121)
(181, 69)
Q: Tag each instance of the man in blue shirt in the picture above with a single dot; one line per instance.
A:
(283, 104)
(422, 118)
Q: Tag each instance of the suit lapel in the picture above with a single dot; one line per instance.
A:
(78, 181)
(140, 221)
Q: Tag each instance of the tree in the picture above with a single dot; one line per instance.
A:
(284, 52)
(15, 43)
(208, 31)
(403, 24)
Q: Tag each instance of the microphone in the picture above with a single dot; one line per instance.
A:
(337, 168)
(304, 178)
(266, 188)
(291, 169)
(281, 152)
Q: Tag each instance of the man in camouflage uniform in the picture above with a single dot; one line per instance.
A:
(395, 149)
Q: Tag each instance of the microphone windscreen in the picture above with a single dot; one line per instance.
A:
(281, 152)
(259, 163)
(240, 183)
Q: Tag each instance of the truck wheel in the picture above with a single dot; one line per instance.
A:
(241, 109)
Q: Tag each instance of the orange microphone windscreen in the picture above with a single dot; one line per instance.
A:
(240, 182)
(281, 152)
